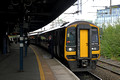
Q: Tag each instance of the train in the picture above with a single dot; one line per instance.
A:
(76, 43)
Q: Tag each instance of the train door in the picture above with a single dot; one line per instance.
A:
(58, 43)
(83, 41)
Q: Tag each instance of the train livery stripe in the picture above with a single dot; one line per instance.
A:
(42, 76)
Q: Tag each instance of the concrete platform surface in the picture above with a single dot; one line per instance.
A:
(57, 69)
(37, 66)
(9, 67)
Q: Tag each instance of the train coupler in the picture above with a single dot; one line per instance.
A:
(82, 63)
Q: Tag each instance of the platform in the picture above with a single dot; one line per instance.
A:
(37, 66)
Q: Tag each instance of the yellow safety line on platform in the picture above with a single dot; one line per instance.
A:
(42, 77)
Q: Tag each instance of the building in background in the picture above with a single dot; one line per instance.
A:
(104, 17)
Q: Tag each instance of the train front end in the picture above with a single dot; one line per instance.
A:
(82, 46)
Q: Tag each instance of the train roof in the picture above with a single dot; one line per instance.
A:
(66, 24)
(78, 22)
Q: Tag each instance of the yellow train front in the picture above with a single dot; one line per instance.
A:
(82, 46)
(77, 44)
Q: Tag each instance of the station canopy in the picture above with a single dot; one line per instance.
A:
(37, 13)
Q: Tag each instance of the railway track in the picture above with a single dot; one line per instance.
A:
(109, 66)
(87, 76)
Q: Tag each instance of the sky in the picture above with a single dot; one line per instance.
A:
(88, 11)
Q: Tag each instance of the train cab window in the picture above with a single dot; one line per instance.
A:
(95, 39)
(94, 36)
(71, 36)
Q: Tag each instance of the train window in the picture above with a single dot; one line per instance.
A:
(43, 38)
(95, 39)
(71, 36)
(94, 35)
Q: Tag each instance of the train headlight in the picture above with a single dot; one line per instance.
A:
(94, 48)
(70, 48)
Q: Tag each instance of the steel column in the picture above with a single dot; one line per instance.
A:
(4, 45)
(21, 47)
(26, 44)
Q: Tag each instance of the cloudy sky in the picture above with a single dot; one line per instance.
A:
(88, 11)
